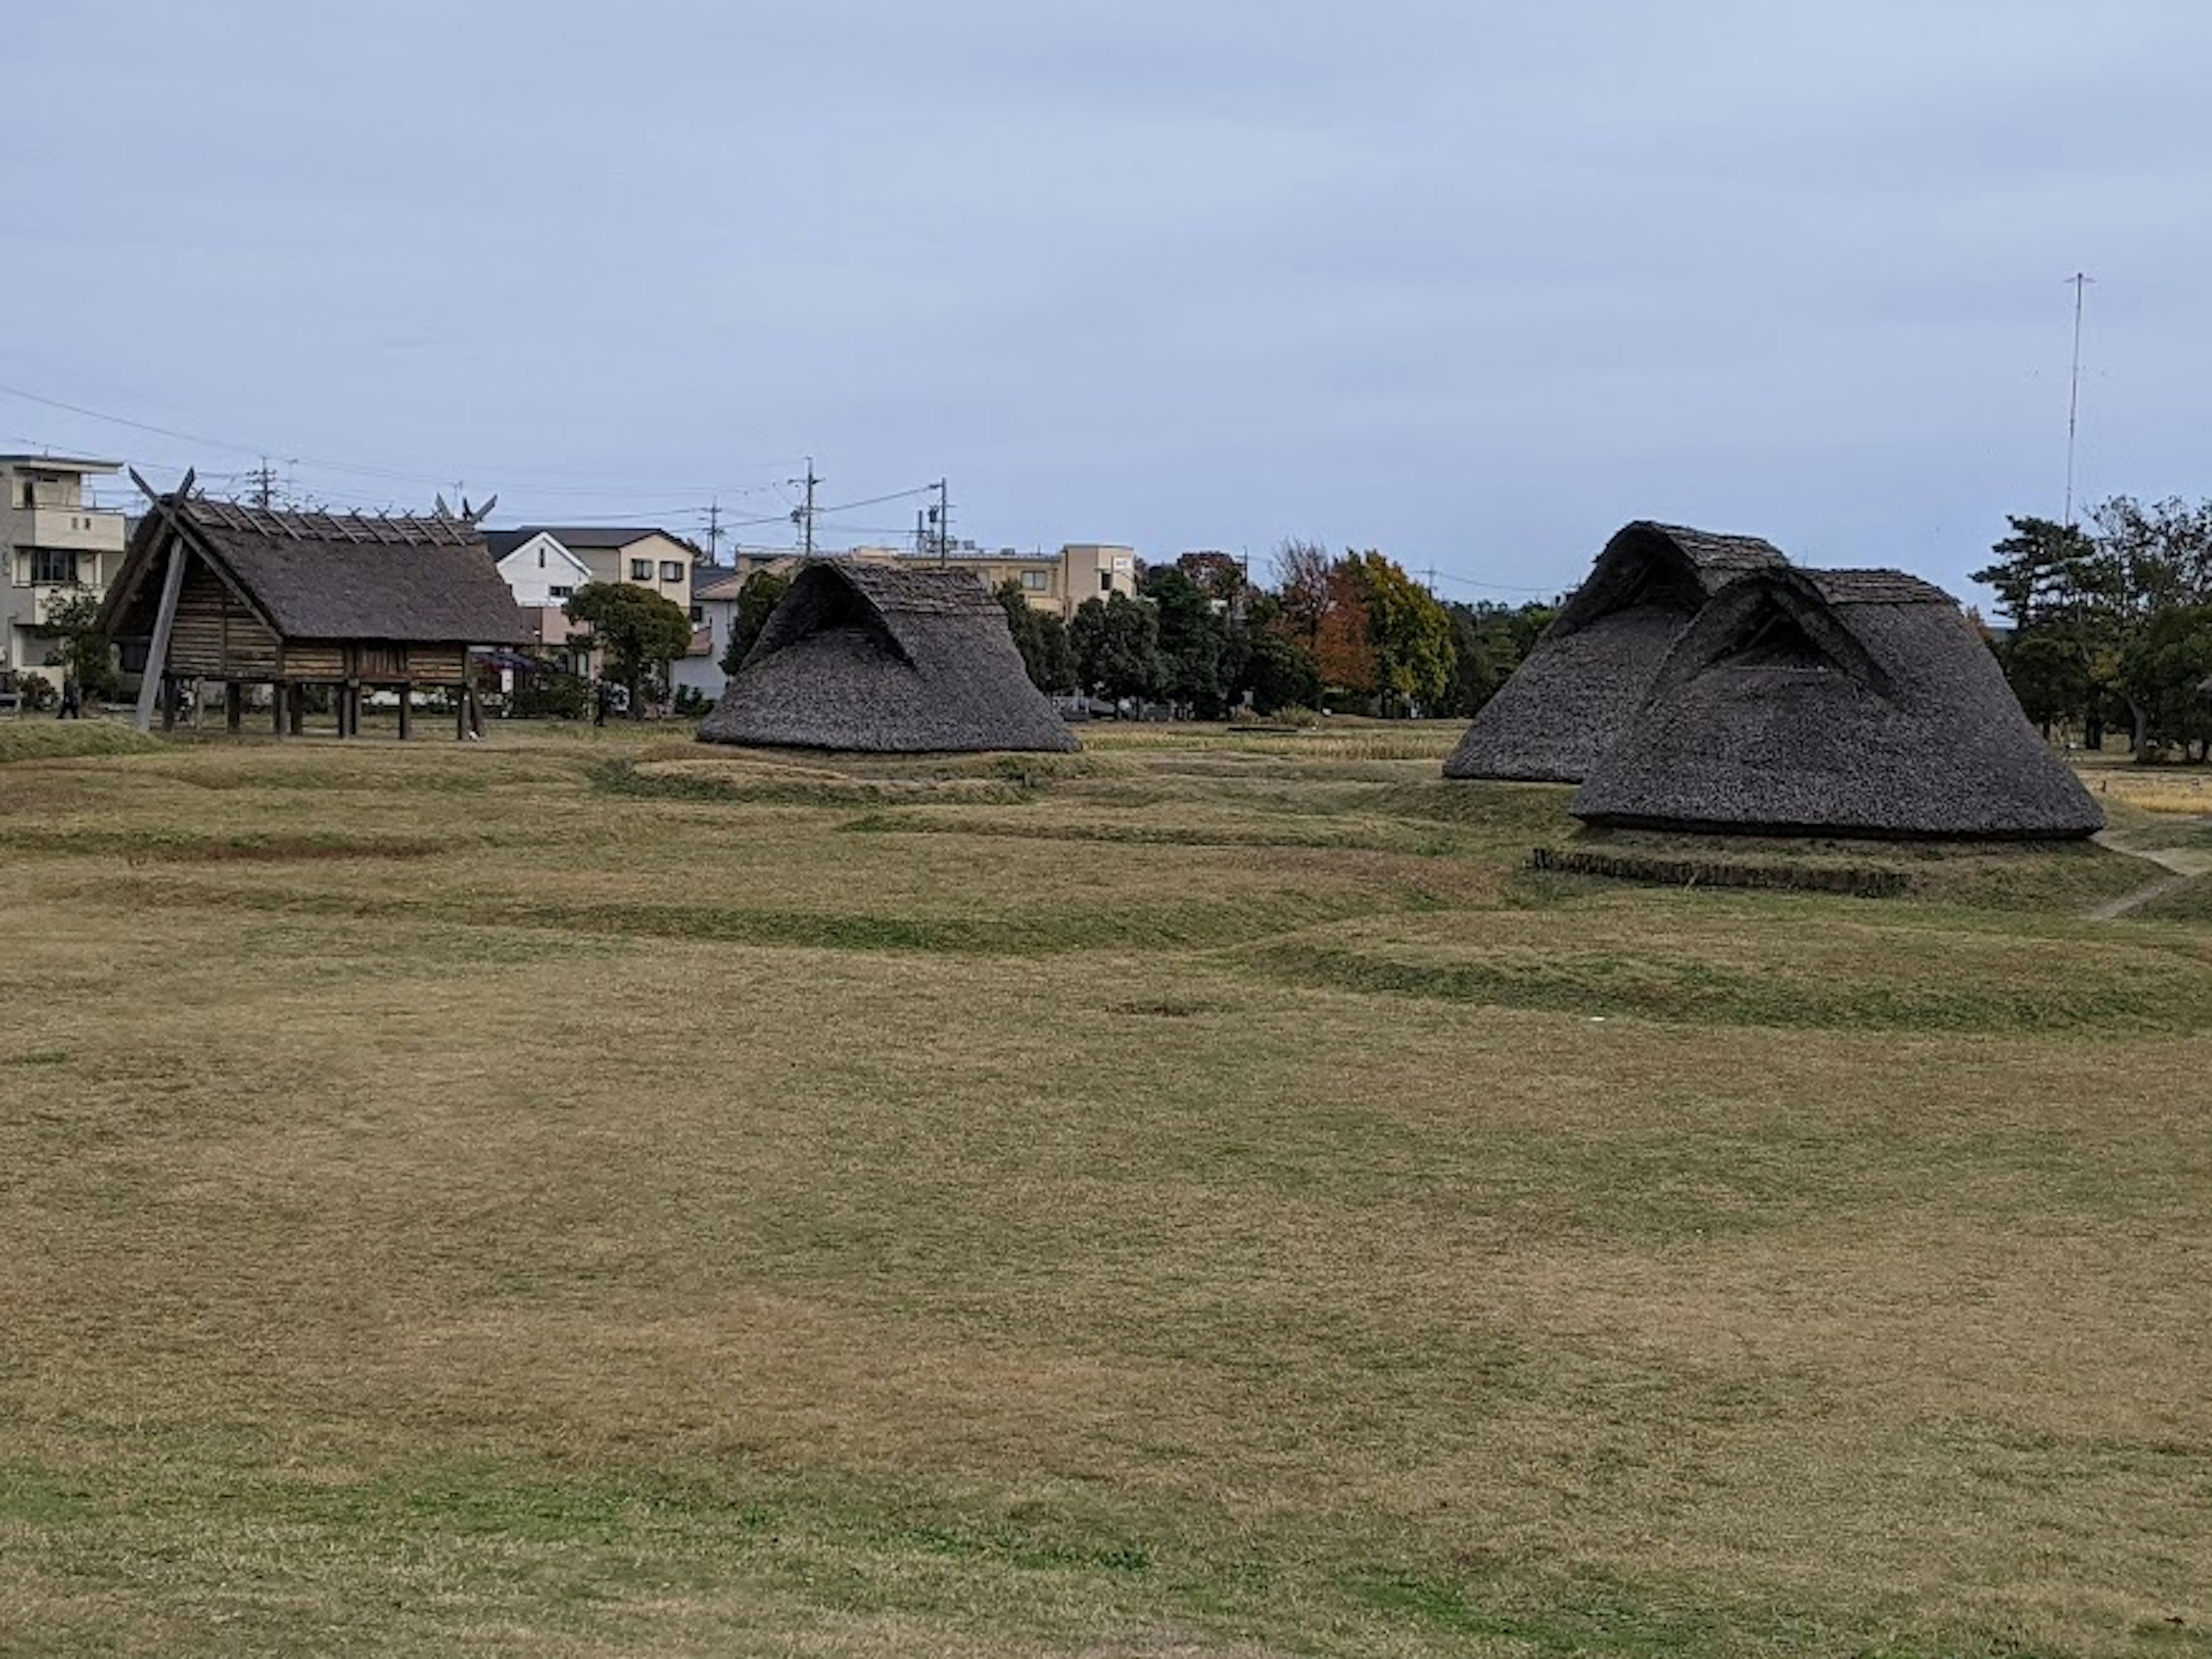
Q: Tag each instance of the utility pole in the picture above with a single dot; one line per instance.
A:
(941, 518)
(713, 528)
(2079, 282)
(920, 533)
(804, 516)
(264, 484)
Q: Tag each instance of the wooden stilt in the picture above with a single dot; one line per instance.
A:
(406, 709)
(461, 713)
(168, 695)
(277, 709)
(297, 696)
(233, 705)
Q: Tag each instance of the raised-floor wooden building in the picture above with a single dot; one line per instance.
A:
(248, 595)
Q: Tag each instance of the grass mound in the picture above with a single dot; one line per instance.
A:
(51, 739)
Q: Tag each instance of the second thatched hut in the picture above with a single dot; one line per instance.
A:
(878, 658)
(1835, 702)
(1552, 720)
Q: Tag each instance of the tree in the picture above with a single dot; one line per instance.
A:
(1343, 646)
(1489, 642)
(639, 632)
(760, 594)
(1279, 671)
(1193, 642)
(80, 649)
(1041, 637)
(1117, 642)
(1301, 588)
(2160, 673)
(1220, 576)
(1409, 636)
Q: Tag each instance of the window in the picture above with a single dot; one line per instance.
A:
(541, 558)
(698, 615)
(558, 592)
(1036, 581)
(670, 571)
(1105, 582)
(28, 495)
(53, 566)
(640, 570)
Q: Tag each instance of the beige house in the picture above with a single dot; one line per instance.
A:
(51, 539)
(544, 565)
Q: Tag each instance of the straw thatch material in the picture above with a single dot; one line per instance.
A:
(1846, 702)
(885, 660)
(330, 575)
(1550, 722)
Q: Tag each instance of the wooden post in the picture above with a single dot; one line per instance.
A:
(277, 709)
(461, 714)
(168, 685)
(344, 698)
(233, 705)
(406, 709)
(298, 698)
(157, 653)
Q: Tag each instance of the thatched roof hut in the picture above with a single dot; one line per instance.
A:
(882, 660)
(223, 590)
(1551, 719)
(1848, 702)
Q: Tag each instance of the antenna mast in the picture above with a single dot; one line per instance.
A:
(2079, 282)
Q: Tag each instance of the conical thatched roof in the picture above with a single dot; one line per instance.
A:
(1852, 702)
(1550, 721)
(882, 659)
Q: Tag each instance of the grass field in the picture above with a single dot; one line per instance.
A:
(582, 1195)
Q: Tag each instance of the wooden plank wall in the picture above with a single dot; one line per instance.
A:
(215, 635)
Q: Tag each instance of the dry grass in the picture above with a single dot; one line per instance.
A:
(1203, 1196)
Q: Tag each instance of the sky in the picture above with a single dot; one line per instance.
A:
(1471, 283)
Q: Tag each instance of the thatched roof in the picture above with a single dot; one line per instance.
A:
(327, 575)
(1551, 720)
(1852, 702)
(882, 659)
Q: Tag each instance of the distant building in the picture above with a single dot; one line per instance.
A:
(544, 564)
(541, 573)
(51, 539)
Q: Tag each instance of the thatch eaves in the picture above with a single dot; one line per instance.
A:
(1842, 703)
(878, 658)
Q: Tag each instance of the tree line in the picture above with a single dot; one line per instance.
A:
(2111, 624)
(1347, 631)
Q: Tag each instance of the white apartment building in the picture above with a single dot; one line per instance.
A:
(51, 539)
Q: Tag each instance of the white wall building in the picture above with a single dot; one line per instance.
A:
(52, 538)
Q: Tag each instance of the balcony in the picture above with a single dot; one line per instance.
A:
(43, 600)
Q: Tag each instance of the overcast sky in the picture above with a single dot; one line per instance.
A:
(1472, 283)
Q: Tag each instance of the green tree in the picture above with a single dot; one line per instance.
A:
(1116, 642)
(758, 596)
(1410, 635)
(1041, 637)
(1278, 671)
(1195, 667)
(80, 649)
(639, 632)
(2160, 674)
(1489, 642)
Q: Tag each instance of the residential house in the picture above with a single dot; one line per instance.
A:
(52, 538)
(542, 574)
